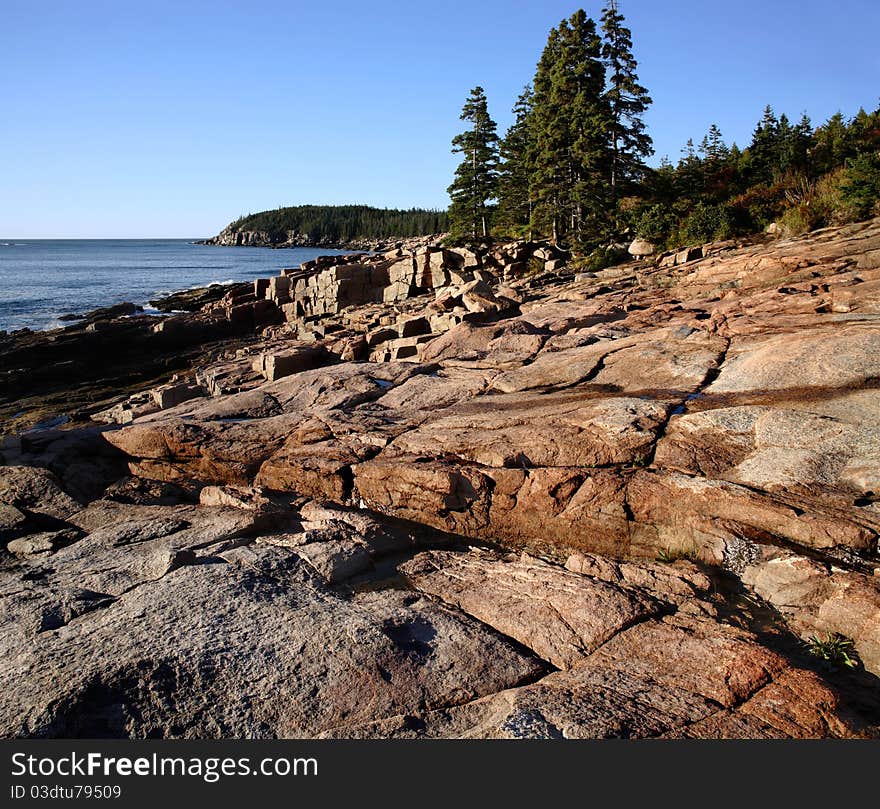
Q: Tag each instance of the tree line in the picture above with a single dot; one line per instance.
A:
(337, 224)
(572, 168)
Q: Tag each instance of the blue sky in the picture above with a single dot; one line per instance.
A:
(127, 119)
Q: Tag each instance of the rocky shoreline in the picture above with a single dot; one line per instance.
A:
(231, 236)
(473, 492)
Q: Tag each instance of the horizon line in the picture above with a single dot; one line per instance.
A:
(96, 238)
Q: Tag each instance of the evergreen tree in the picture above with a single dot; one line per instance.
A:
(328, 224)
(833, 144)
(764, 151)
(514, 205)
(713, 148)
(716, 166)
(794, 144)
(627, 101)
(689, 173)
(662, 182)
(476, 178)
(570, 121)
(865, 131)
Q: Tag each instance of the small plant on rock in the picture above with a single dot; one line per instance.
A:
(836, 650)
(669, 555)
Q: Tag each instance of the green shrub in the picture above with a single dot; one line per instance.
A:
(536, 266)
(669, 556)
(756, 208)
(706, 223)
(835, 649)
(860, 186)
(655, 224)
(796, 221)
(603, 257)
(816, 204)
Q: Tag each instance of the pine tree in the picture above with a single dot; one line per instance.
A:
(794, 142)
(570, 122)
(476, 178)
(514, 204)
(865, 131)
(764, 150)
(627, 101)
(833, 144)
(713, 148)
(689, 173)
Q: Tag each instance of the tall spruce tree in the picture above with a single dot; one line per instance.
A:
(764, 149)
(569, 124)
(476, 178)
(833, 144)
(713, 147)
(627, 101)
(514, 203)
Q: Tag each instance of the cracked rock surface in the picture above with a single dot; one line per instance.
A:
(601, 505)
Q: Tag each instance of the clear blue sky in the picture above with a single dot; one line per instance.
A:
(154, 118)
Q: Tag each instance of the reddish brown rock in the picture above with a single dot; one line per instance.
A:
(570, 429)
(321, 469)
(699, 515)
(820, 602)
(561, 616)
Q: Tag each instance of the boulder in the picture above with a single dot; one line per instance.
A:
(34, 490)
(641, 248)
(12, 521)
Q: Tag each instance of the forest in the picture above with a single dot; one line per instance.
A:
(572, 167)
(338, 224)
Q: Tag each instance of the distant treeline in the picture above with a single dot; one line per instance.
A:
(329, 224)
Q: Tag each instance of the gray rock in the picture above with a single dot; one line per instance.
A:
(46, 542)
(641, 247)
(336, 560)
(249, 651)
(36, 490)
(12, 521)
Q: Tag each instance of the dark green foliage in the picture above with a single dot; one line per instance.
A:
(655, 223)
(833, 144)
(476, 178)
(705, 223)
(689, 181)
(572, 162)
(860, 189)
(794, 176)
(514, 204)
(603, 257)
(570, 122)
(627, 101)
(836, 650)
(763, 153)
(336, 224)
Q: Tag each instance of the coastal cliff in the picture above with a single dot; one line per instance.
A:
(477, 492)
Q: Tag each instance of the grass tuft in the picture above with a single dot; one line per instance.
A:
(835, 649)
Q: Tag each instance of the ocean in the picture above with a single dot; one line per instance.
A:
(42, 279)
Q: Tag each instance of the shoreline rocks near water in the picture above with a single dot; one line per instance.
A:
(232, 237)
(469, 492)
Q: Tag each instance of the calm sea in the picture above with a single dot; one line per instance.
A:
(43, 279)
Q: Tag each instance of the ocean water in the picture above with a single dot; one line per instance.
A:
(42, 279)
